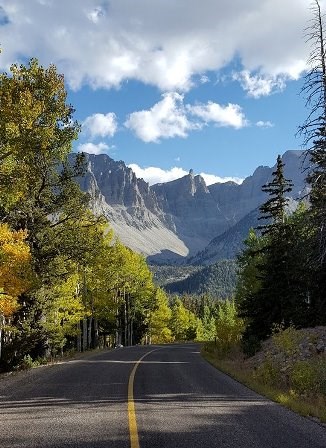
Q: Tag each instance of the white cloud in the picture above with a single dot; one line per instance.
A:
(165, 119)
(264, 124)
(230, 115)
(170, 118)
(204, 79)
(212, 179)
(154, 175)
(260, 85)
(95, 14)
(92, 148)
(105, 43)
(100, 125)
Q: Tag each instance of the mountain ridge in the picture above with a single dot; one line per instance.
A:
(176, 221)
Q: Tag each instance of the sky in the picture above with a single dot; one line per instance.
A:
(173, 85)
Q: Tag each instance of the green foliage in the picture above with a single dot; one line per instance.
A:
(249, 263)
(218, 280)
(159, 318)
(229, 326)
(183, 323)
(275, 278)
(304, 377)
(79, 271)
(286, 340)
(274, 209)
(166, 274)
(268, 373)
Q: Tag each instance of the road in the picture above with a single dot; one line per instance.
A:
(171, 398)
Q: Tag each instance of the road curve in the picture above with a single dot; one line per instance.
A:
(178, 400)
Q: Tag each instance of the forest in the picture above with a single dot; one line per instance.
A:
(67, 283)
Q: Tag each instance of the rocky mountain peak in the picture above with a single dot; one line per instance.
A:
(180, 217)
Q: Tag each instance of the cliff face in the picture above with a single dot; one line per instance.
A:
(177, 219)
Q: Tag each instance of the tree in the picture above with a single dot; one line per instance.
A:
(274, 209)
(229, 326)
(15, 272)
(159, 318)
(38, 192)
(36, 129)
(313, 131)
(185, 326)
(268, 291)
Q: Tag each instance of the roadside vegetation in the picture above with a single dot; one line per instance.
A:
(290, 369)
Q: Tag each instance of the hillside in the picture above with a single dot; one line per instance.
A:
(218, 279)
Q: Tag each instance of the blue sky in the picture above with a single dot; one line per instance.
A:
(168, 86)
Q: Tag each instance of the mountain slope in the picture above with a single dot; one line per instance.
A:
(172, 221)
(229, 244)
(218, 280)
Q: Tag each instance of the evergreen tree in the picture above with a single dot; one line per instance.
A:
(265, 287)
(274, 209)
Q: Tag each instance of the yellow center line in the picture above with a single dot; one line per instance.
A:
(134, 440)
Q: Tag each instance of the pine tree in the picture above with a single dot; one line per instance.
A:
(265, 290)
(274, 209)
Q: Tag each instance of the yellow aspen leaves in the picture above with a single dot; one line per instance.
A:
(15, 270)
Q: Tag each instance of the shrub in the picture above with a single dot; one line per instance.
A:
(287, 341)
(268, 373)
(304, 377)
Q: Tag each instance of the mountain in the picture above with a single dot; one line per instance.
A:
(218, 280)
(228, 244)
(184, 219)
(131, 207)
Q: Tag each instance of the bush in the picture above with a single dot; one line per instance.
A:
(268, 373)
(304, 377)
(26, 363)
(287, 341)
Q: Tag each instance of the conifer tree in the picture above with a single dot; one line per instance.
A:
(274, 209)
(266, 295)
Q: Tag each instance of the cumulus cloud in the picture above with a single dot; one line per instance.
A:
(165, 119)
(211, 179)
(101, 125)
(230, 115)
(92, 148)
(103, 43)
(170, 117)
(260, 85)
(154, 175)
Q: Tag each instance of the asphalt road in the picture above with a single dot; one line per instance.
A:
(178, 398)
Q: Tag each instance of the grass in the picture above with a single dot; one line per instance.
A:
(234, 366)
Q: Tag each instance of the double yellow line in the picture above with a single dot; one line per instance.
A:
(134, 439)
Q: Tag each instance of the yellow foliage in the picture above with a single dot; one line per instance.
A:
(15, 271)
